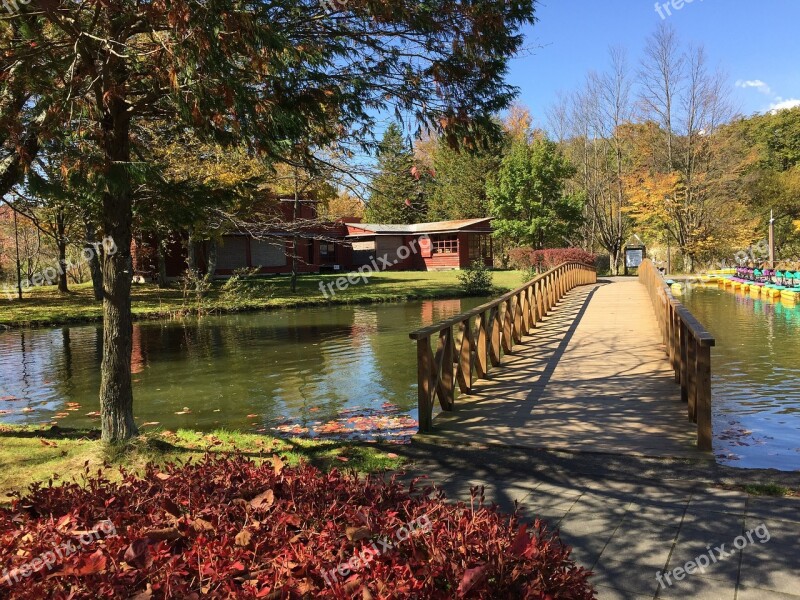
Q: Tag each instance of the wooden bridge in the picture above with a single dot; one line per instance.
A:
(571, 362)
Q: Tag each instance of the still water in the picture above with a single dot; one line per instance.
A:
(348, 371)
(755, 377)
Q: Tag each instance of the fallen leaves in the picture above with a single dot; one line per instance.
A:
(232, 527)
(355, 534)
(243, 538)
(359, 424)
(88, 564)
(164, 533)
(264, 500)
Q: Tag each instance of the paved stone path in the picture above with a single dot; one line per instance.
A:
(628, 519)
(584, 427)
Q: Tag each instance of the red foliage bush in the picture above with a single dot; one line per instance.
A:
(228, 528)
(544, 260)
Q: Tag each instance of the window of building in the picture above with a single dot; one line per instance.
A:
(327, 250)
(480, 246)
(445, 244)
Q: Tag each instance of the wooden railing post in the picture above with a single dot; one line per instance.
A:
(494, 350)
(692, 379)
(508, 325)
(424, 381)
(684, 361)
(482, 346)
(464, 359)
(703, 402)
(517, 328)
(446, 390)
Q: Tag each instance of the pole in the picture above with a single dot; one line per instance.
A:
(771, 240)
(669, 255)
(19, 265)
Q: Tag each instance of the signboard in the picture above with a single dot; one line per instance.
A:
(425, 247)
(634, 257)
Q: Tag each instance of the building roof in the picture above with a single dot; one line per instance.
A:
(370, 229)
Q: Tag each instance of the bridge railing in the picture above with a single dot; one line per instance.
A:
(469, 345)
(688, 345)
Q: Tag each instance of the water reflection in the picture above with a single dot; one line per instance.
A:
(755, 377)
(249, 371)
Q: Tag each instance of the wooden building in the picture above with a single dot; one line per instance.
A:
(438, 246)
(343, 245)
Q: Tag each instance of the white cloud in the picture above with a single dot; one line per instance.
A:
(754, 83)
(782, 104)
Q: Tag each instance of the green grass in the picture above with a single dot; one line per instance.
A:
(31, 454)
(45, 306)
(766, 489)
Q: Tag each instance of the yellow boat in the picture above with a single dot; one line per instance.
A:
(771, 292)
(792, 295)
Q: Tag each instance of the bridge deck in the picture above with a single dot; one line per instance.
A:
(593, 377)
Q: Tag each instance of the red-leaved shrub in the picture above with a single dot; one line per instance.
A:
(544, 260)
(229, 528)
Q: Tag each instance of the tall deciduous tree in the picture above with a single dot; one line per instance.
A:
(527, 195)
(689, 103)
(265, 72)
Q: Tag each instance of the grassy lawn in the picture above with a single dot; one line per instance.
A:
(45, 306)
(31, 454)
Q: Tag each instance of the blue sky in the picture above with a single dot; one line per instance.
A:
(755, 43)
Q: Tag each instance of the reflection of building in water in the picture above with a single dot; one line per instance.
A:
(365, 321)
(438, 310)
(137, 354)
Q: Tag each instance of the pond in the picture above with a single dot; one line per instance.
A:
(348, 371)
(755, 377)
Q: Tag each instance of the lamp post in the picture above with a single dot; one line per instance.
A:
(771, 240)
(669, 254)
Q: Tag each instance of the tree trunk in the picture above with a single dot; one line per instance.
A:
(94, 262)
(688, 262)
(191, 254)
(211, 267)
(62, 272)
(61, 244)
(162, 264)
(116, 394)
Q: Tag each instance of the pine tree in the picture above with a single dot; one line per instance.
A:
(396, 194)
(460, 188)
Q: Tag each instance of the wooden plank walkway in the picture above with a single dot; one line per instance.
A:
(593, 377)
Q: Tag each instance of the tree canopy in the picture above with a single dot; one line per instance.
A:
(266, 75)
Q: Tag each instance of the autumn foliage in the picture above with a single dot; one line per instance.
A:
(529, 259)
(231, 528)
